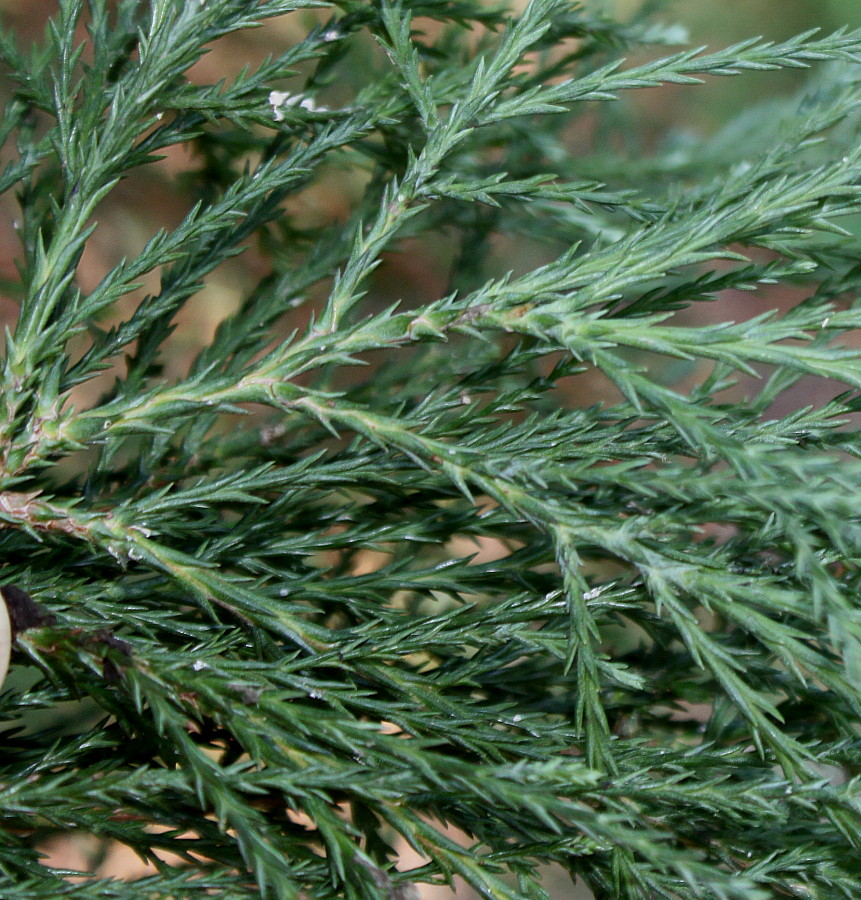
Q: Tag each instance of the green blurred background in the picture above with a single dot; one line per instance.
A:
(717, 23)
(713, 21)
(709, 19)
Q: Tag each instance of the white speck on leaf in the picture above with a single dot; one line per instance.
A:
(281, 100)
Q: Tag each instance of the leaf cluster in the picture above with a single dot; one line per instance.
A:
(378, 572)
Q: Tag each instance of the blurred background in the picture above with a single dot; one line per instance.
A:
(149, 200)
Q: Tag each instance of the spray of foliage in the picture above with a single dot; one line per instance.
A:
(652, 679)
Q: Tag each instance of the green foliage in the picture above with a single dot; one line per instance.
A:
(259, 580)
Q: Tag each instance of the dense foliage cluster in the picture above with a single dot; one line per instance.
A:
(550, 567)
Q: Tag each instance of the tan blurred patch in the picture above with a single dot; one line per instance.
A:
(369, 561)
(482, 548)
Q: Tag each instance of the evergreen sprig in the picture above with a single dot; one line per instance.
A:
(372, 569)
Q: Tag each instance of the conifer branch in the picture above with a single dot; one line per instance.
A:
(372, 565)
